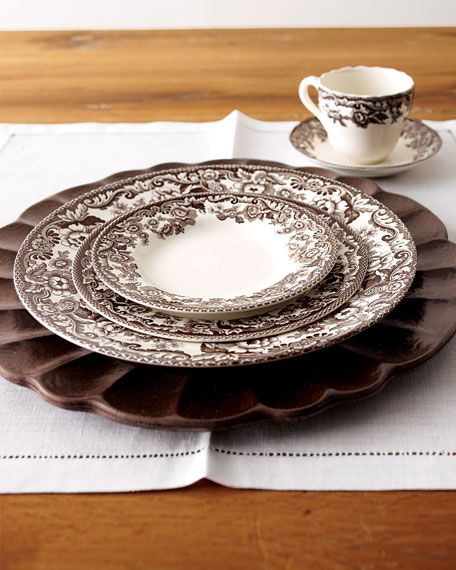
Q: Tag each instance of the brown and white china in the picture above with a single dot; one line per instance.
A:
(44, 283)
(72, 377)
(215, 255)
(417, 143)
(361, 108)
(339, 285)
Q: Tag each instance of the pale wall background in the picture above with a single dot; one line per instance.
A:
(102, 14)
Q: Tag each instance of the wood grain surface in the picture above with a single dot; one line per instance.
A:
(205, 74)
(202, 75)
(208, 527)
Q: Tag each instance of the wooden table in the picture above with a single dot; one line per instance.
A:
(202, 75)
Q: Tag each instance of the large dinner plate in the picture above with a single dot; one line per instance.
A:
(44, 281)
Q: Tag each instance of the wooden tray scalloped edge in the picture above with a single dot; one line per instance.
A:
(75, 378)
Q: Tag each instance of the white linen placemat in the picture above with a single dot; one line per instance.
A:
(403, 438)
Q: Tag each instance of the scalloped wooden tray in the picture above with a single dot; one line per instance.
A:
(152, 396)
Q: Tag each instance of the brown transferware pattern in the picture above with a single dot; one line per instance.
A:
(150, 396)
(45, 285)
(340, 285)
(311, 249)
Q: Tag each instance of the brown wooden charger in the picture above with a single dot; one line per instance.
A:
(150, 396)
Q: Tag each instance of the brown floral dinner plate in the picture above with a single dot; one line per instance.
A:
(76, 378)
(45, 285)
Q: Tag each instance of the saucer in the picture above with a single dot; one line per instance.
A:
(417, 143)
(214, 255)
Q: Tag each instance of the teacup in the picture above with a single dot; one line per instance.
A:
(361, 108)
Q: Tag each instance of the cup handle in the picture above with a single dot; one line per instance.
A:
(310, 81)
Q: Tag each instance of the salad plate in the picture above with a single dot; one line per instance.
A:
(215, 255)
(337, 287)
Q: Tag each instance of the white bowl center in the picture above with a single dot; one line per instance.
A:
(216, 259)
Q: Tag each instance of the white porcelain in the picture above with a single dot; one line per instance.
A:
(417, 143)
(361, 108)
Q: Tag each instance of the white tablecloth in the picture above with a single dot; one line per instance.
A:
(403, 438)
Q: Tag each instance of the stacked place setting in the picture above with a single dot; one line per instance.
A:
(163, 274)
(215, 265)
